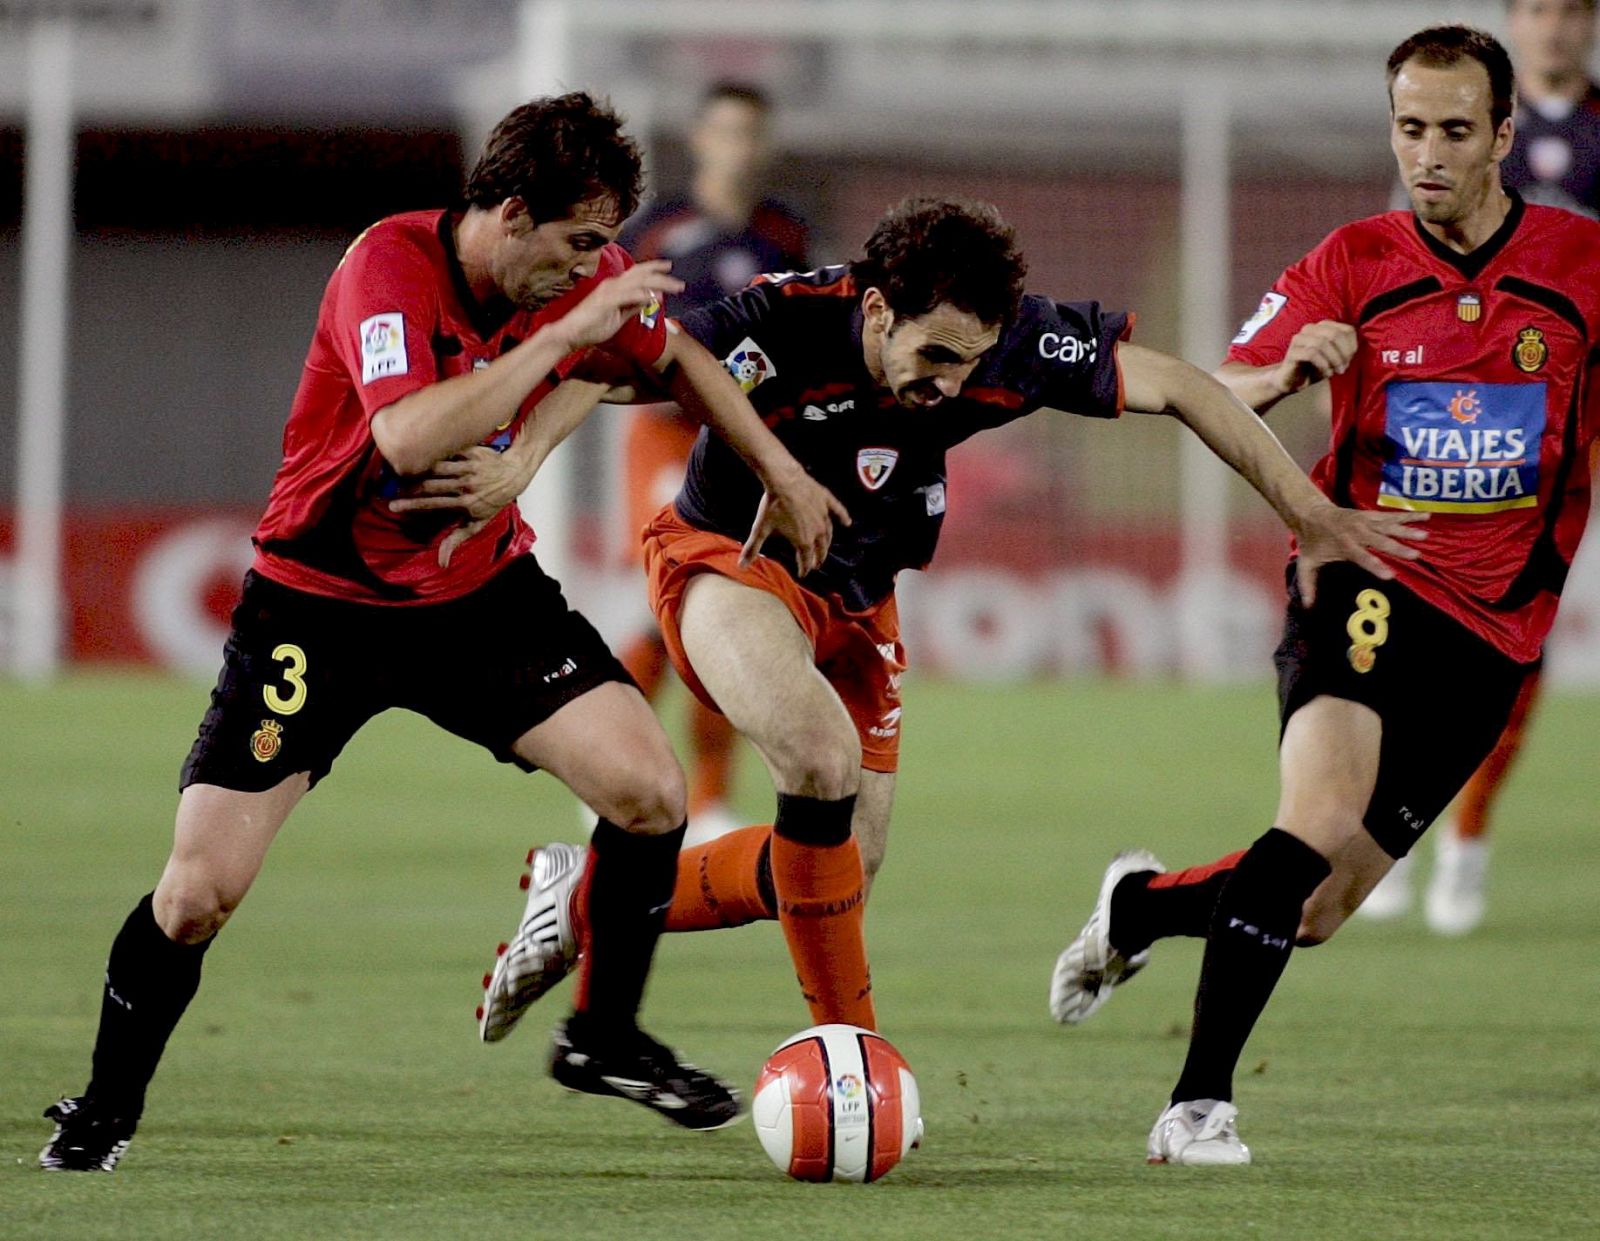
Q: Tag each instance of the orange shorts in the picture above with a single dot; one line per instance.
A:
(656, 450)
(858, 653)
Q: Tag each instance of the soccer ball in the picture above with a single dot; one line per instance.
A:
(836, 1103)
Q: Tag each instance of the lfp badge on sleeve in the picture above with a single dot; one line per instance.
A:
(1462, 447)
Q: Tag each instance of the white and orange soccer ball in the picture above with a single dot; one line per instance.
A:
(836, 1103)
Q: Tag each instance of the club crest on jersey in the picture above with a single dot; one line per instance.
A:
(383, 347)
(1458, 449)
(1530, 352)
(874, 465)
(651, 314)
(266, 741)
(749, 365)
(1469, 308)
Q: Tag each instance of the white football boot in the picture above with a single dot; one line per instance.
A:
(545, 948)
(1392, 897)
(1455, 901)
(1089, 969)
(1197, 1134)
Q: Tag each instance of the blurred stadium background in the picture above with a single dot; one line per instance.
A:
(178, 177)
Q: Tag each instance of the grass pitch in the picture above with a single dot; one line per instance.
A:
(327, 1082)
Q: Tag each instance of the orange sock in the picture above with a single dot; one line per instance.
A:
(821, 890)
(1474, 801)
(711, 740)
(727, 882)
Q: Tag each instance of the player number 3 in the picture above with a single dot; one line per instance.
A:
(1368, 628)
(294, 667)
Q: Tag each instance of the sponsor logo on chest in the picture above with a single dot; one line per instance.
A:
(1462, 448)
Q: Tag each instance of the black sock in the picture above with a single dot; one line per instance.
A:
(630, 889)
(1252, 934)
(814, 820)
(149, 982)
(1141, 914)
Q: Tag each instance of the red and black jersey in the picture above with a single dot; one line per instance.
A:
(398, 315)
(793, 342)
(1470, 397)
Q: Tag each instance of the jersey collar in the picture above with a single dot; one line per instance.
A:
(486, 319)
(1471, 264)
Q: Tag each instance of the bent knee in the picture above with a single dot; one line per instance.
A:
(822, 765)
(650, 801)
(191, 909)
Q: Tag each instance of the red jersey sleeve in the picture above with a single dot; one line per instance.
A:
(383, 317)
(644, 335)
(1308, 292)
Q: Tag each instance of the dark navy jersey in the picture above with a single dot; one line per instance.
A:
(1555, 159)
(793, 342)
(712, 259)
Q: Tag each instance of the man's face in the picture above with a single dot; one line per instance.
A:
(534, 264)
(926, 359)
(1550, 39)
(1447, 148)
(731, 139)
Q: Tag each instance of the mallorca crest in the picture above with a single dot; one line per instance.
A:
(1530, 351)
(874, 465)
(266, 741)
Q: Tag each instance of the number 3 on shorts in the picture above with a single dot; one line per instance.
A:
(294, 667)
(1368, 628)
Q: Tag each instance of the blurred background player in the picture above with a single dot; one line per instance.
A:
(1554, 160)
(719, 236)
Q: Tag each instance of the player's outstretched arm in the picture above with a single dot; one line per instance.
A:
(1315, 352)
(438, 421)
(1157, 383)
(795, 506)
(480, 481)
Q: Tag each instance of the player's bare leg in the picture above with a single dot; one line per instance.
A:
(756, 663)
(607, 747)
(220, 839)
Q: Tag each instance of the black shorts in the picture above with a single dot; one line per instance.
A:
(1443, 693)
(302, 672)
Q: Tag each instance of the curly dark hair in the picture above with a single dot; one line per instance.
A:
(554, 154)
(928, 251)
(1440, 47)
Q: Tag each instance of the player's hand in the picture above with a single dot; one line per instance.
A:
(803, 511)
(1332, 533)
(478, 481)
(457, 537)
(601, 314)
(1316, 351)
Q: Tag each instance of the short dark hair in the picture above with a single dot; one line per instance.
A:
(929, 251)
(555, 153)
(1440, 47)
(747, 93)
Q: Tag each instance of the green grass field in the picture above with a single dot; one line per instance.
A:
(328, 1081)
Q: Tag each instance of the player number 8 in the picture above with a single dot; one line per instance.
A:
(1368, 628)
(294, 667)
